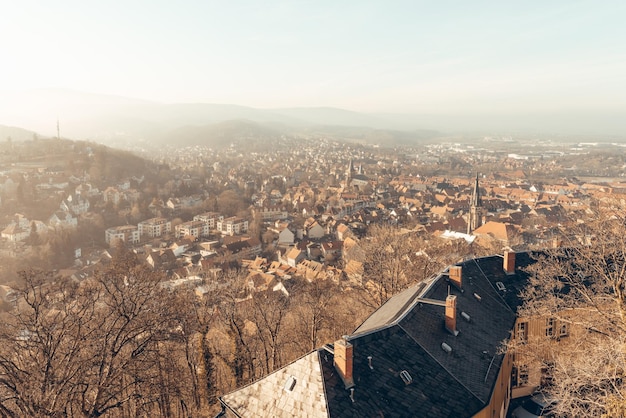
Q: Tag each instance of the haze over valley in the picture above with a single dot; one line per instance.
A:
(312, 208)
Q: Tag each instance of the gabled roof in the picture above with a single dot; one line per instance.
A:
(498, 230)
(404, 337)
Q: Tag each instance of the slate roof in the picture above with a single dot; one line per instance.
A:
(271, 397)
(405, 335)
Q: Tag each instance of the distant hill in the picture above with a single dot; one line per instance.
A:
(223, 134)
(105, 118)
(332, 116)
(372, 136)
(16, 134)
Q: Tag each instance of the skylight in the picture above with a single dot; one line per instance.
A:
(290, 384)
(406, 377)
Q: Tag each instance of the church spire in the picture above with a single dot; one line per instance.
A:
(475, 210)
(475, 201)
(349, 172)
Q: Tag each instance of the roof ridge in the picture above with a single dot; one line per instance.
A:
(420, 289)
(319, 360)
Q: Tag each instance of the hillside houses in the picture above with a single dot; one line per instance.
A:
(310, 190)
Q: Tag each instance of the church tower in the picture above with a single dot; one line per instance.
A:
(349, 172)
(475, 210)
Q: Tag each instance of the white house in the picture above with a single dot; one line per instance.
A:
(126, 233)
(232, 226)
(154, 227)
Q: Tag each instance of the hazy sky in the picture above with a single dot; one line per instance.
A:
(409, 56)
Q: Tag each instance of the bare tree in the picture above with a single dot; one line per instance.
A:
(394, 259)
(267, 311)
(101, 347)
(581, 290)
(311, 308)
(386, 254)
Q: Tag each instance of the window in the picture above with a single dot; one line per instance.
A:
(550, 327)
(563, 330)
(522, 331)
(519, 375)
(546, 374)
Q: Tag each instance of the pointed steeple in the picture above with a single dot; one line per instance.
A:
(349, 172)
(475, 201)
(475, 209)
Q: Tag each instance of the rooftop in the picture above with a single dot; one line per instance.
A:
(405, 361)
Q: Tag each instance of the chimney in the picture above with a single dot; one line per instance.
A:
(455, 275)
(450, 315)
(343, 361)
(509, 262)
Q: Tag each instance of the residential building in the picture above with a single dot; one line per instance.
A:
(271, 213)
(75, 204)
(232, 225)
(313, 229)
(127, 233)
(211, 218)
(20, 228)
(193, 228)
(286, 236)
(62, 219)
(294, 256)
(15, 233)
(185, 202)
(154, 227)
(111, 194)
(433, 350)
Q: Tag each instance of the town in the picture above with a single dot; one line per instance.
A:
(302, 208)
(335, 226)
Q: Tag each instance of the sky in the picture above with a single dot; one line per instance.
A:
(414, 56)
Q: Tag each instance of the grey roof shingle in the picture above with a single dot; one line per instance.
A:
(406, 334)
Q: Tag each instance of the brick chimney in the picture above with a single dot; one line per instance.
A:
(509, 262)
(343, 361)
(450, 315)
(455, 275)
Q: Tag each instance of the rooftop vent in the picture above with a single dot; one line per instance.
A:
(369, 362)
(406, 377)
(500, 286)
(290, 384)
(445, 347)
(352, 394)
(477, 296)
(465, 316)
